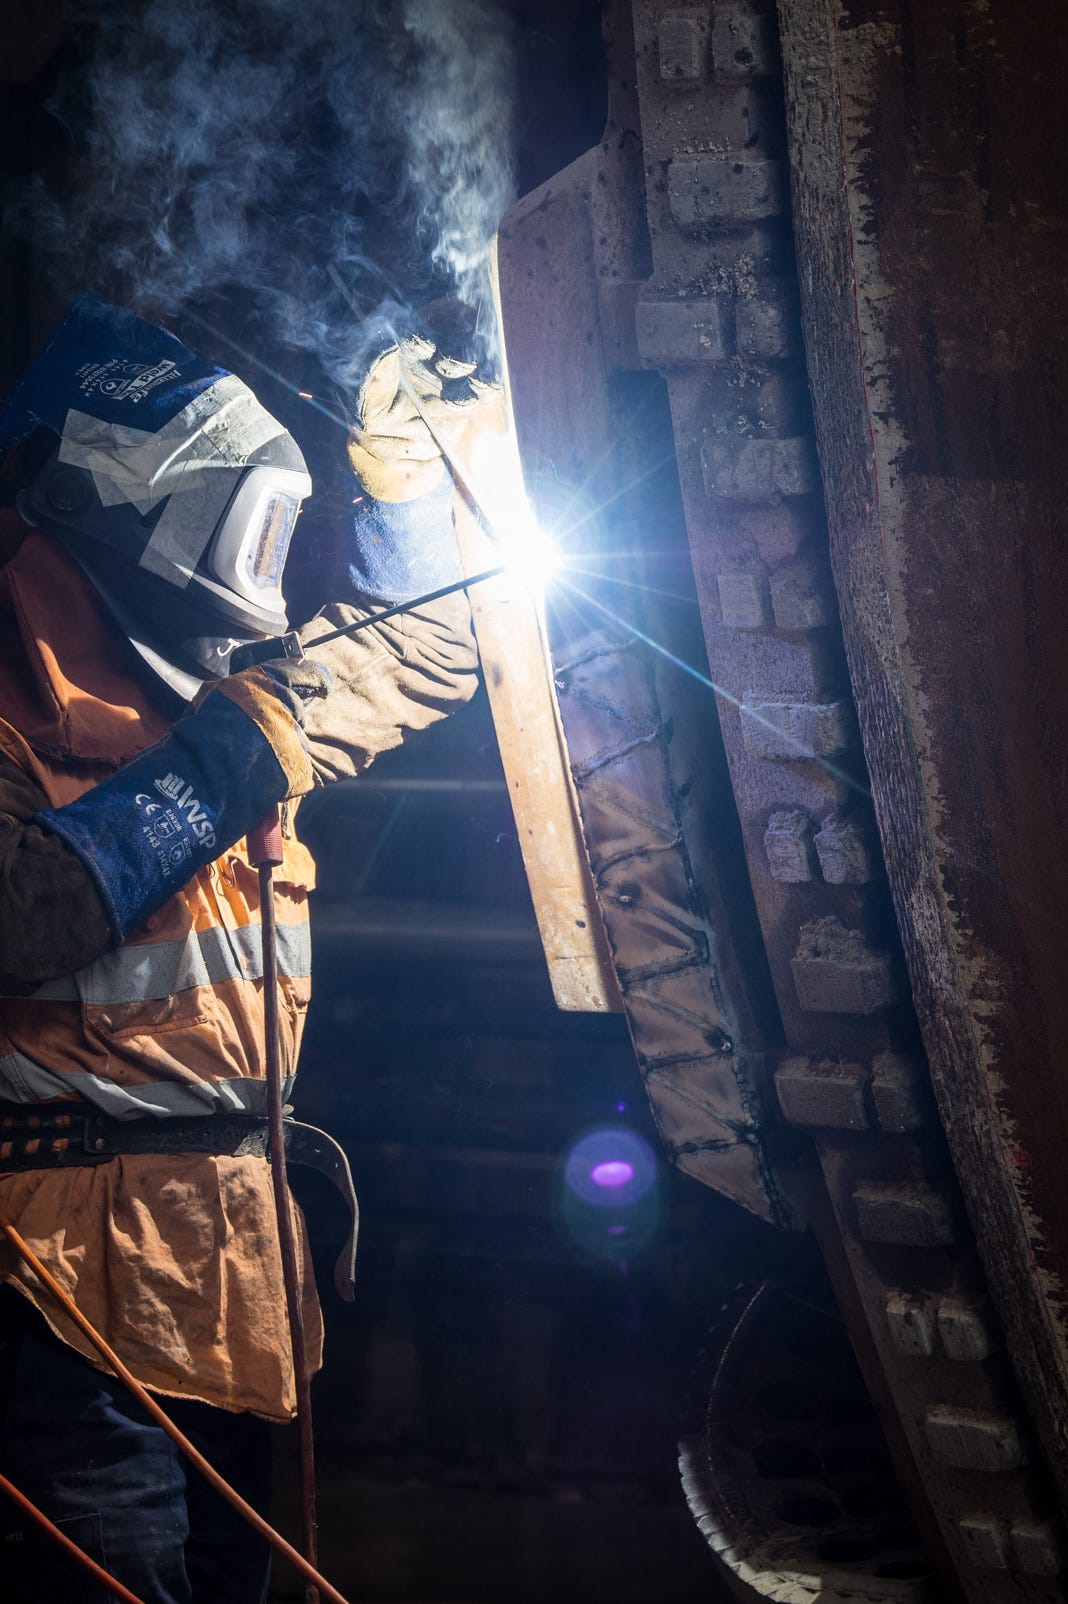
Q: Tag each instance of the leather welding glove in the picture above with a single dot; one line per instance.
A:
(415, 400)
(395, 455)
(396, 678)
(150, 826)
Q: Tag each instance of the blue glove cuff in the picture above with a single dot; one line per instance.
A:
(399, 550)
(147, 829)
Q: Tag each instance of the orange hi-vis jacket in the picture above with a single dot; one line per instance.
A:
(171, 1023)
(174, 1259)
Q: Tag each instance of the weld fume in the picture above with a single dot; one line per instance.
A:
(336, 163)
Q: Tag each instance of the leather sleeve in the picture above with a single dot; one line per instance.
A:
(52, 920)
(390, 680)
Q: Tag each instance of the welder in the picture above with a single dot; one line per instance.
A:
(157, 507)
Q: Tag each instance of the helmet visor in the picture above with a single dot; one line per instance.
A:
(251, 544)
(264, 553)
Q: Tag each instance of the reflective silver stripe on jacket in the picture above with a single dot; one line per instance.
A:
(23, 1081)
(155, 970)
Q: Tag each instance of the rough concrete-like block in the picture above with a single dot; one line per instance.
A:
(788, 844)
(911, 1326)
(969, 1440)
(777, 529)
(724, 190)
(899, 1215)
(680, 331)
(680, 47)
(822, 1093)
(744, 599)
(986, 1542)
(737, 468)
(802, 596)
(1038, 1546)
(744, 46)
(768, 406)
(969, 1331)
(843, 851)
(836, 972)
(796, 730)
(899, 1091)
(763, 328)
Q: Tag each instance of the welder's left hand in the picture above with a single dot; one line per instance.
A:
(395, 455)
(146, 829)
(402, 543)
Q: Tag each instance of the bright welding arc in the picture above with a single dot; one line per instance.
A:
(499, 501)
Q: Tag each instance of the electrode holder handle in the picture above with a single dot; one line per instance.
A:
(265, 848)
(266, 651)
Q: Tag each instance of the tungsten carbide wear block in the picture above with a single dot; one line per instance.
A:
(822, 1092)
(724, 189)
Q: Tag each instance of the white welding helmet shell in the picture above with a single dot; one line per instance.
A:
(208, 503)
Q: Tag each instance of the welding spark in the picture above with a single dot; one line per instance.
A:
(602, 577)
(623, 492)
(547, 545)
(526, 547)
(613, 1172)
(745, 708)
(265, 367)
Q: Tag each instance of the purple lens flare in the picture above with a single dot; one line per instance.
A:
(610, 1168)
(612, 1172)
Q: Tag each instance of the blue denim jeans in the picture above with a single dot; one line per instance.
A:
(78, 1444)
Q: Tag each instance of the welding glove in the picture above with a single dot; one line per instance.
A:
(147, 829)
(402, 543)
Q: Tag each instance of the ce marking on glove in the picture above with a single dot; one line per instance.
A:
(146, 804)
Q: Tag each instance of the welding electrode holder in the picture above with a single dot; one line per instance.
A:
(290, 646)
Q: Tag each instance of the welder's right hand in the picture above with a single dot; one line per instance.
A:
(294, 681)
(275, 695)
(146, 830)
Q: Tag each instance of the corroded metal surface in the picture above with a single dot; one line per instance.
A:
(723, 269)
(931, 215)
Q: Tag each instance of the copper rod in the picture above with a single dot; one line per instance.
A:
(77, 1554)
(149, 1404)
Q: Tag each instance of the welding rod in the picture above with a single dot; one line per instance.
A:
(289, 645)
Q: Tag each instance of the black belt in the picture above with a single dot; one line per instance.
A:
(39, 1136)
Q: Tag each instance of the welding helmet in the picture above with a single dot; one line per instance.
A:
(175, 491)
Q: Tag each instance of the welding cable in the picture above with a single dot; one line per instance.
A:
(163, 1420)
(77, 1554)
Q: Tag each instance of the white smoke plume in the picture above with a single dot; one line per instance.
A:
(334, 163)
